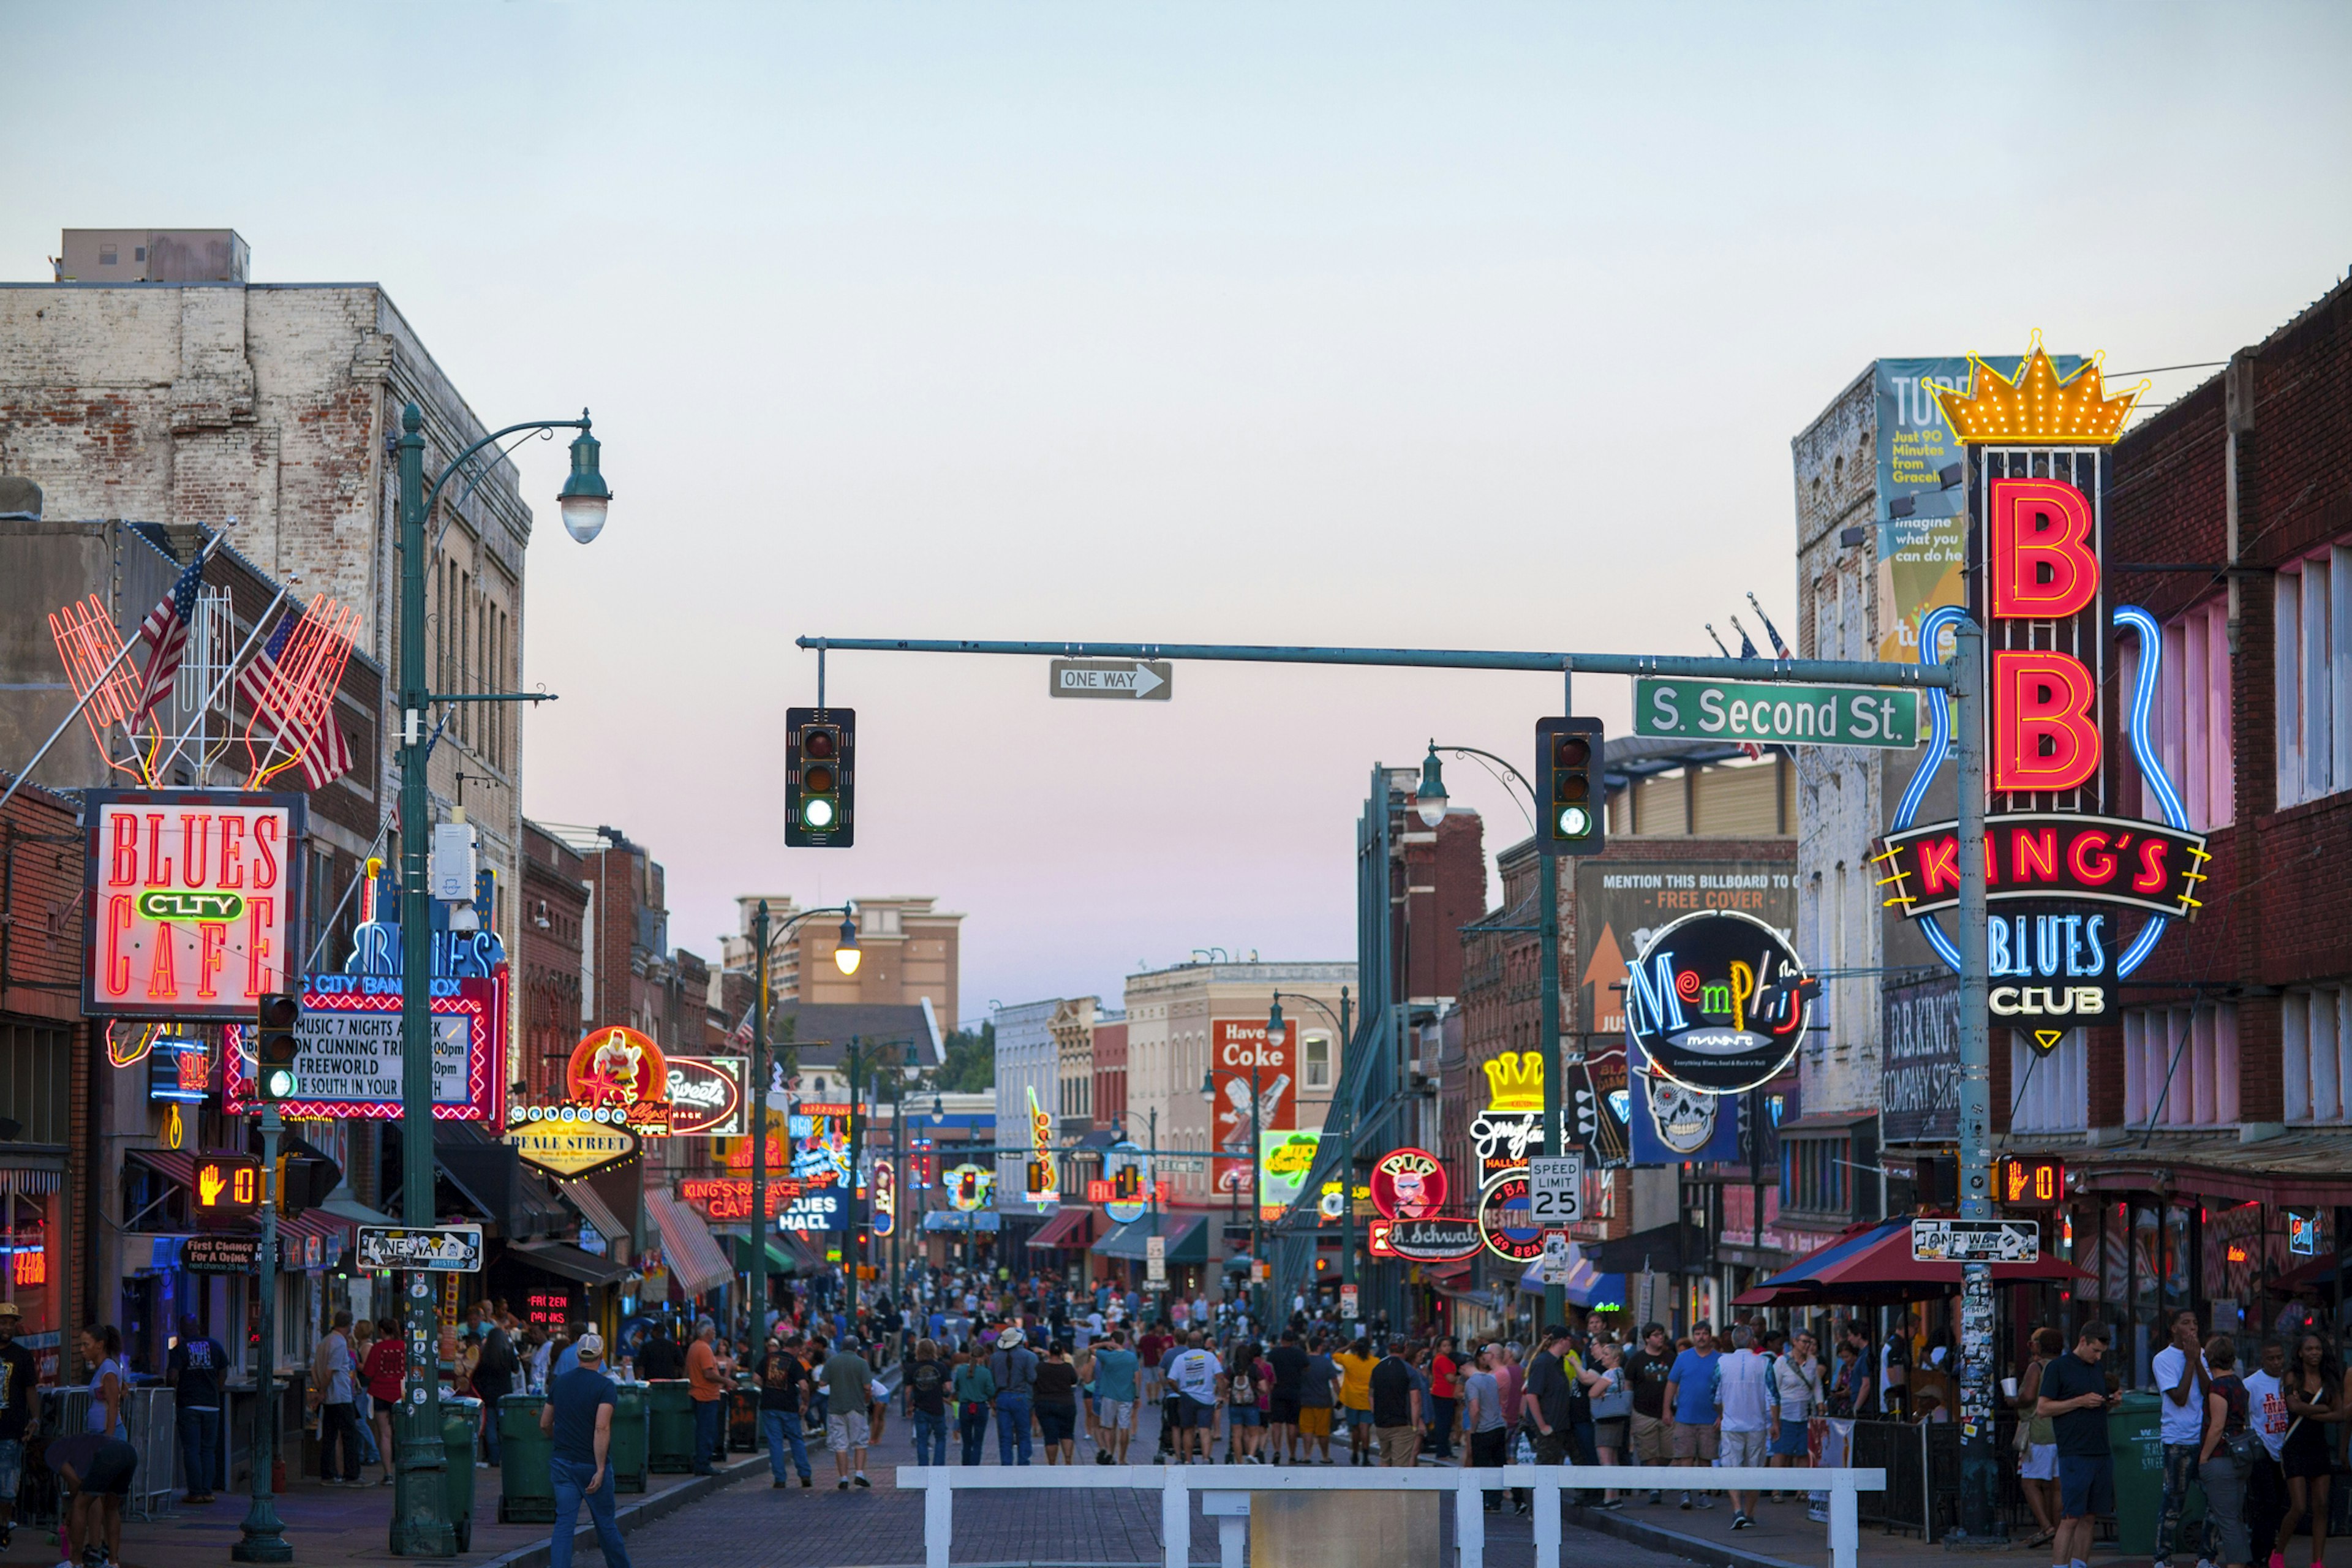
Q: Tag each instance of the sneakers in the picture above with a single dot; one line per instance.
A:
(859, 1480)
(1740, 1521)
(779, 1486)
(1686, 1502)
(1705, 1500)
(806, 1482)
(842, 1485)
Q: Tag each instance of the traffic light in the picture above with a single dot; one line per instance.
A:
(303, 1183)
(1568, 763)
(225, 1189)
(820, 763)
(276, 1045)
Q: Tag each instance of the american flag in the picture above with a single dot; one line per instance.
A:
(1747, 749)
(743, 1029)
(1772, 631)
(315, 741)
(164, 633)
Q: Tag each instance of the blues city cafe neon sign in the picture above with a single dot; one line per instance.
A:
(2054, 964)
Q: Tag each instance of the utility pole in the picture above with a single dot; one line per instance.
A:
(758, 1288)
(1979, 1473)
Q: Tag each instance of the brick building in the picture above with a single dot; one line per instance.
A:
(553, 961)
(2208, 1138)
(1671, 804)
(1109, 1069)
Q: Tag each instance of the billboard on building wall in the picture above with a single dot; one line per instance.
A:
(1238, 1048)
(1620, 904)
(1923, 500)
(192, 901)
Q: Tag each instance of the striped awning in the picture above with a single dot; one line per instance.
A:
(29, 1179)
(688, 1247)
(593, 1209)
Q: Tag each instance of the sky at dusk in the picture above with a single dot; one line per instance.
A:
(1480, 326)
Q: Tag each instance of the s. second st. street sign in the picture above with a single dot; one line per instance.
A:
(1122, 679)
(1767, 712)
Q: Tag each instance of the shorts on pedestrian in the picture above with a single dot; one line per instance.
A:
(1693, 1442)
(1400, 1447)
(1360, 1418)
(1610, 1435)
(845, 1432)
(1057, 1423)
(1196, 1414)
(110, 1469)
(1115, 1415)
(1652, 1445)
(1789, 1443)
(1282, 1409)
(1315, 1421)
(2086, 1488)
(2040, 1462)
(12, 1466)
(1741, 1449)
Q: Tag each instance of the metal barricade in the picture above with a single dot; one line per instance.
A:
(1900, 1449)
(151, 1415)
(152, 1412)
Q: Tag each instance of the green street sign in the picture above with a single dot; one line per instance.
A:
(1767, 713)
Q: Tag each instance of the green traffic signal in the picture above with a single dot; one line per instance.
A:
(1570, 758)
(820, 750)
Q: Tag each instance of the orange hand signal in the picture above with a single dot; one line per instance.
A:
(209, 1183)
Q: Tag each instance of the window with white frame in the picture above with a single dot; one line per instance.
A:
(2189, 718)
(2049, 1093)
(2180, 1066)
(2312, 608)
(2315, 1052)
(1318, 1053)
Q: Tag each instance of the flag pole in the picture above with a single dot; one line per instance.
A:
(227, 672)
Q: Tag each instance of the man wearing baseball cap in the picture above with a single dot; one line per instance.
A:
(579, 1415)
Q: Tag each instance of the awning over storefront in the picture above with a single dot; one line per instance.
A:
(982, 1220)
(568, 1262)
(1073, 1228)
(1676, 1249)
(687, 1246)
(1871, 1264)
(779, 1262)
(1586, 1286)
(2303, 1168)
(1187, 1236)
(593, 1209)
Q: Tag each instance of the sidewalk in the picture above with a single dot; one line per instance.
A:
(353, 1524)
(1784, 1538)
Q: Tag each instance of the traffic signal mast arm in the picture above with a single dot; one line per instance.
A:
(1820, 671)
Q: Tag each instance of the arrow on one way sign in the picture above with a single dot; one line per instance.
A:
(1113, 678)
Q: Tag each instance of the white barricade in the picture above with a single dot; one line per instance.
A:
(1176, 1483)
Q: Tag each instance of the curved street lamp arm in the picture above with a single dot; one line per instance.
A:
(1517, 777)
(1316, 1002)
(793, 923)
(433, 496)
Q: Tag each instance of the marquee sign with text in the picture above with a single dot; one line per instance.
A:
(730, 1197)
(192, 901)
(349, 1063)
(2036, 483)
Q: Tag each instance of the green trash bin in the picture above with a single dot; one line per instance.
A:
(2134, 1438)
(461, 1426)
(669, 1426)
(526, 1475)
(629, 1452)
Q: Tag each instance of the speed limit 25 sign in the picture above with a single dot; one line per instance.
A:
(1556, 1191)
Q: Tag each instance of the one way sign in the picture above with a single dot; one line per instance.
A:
(1115, 677)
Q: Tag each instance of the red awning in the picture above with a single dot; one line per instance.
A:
(1873, 1264)
(1073, 1228)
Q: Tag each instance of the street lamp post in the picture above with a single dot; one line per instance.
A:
(421, 1526)
(1273, 1026)
(845, 956)
(1430, 805)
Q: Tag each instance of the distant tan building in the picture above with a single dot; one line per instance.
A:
(908, 951)
(1177, 1019)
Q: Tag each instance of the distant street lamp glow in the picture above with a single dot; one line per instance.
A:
(846, 957)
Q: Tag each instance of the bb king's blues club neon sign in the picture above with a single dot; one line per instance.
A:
(2037, 445)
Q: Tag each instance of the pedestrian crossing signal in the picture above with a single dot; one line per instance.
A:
(820, 763)
(1570, 768)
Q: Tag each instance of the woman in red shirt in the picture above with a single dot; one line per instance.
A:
(385, 1367)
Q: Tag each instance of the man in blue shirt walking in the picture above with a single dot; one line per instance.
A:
(1690, 1400)
(579, 1415)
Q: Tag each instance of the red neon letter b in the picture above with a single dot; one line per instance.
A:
(2043, 738)
(2042, 567)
